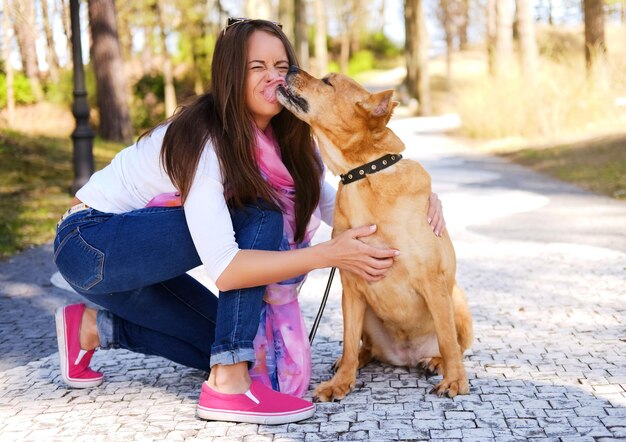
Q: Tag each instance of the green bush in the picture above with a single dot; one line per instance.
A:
(361, 61)
(21, 90)
(382, 46)
(62, 91)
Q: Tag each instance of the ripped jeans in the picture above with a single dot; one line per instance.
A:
(133, 265)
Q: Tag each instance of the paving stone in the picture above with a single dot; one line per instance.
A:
(560, 379)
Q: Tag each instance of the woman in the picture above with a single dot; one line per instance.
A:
(250, 186)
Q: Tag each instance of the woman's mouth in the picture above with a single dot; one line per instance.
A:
(269, 91)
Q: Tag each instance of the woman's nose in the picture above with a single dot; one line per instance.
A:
(273, 73)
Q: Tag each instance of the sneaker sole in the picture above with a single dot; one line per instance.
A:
(255, 418)
(59, 319)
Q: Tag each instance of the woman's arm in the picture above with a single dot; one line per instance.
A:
(250, 268)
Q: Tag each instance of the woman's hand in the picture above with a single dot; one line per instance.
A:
(347, 252)
(435, 214)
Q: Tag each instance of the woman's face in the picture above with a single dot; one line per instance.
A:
(267, 63)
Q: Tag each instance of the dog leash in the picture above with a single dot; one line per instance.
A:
(318, 318)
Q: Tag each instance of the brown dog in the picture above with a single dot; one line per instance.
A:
(416, 315)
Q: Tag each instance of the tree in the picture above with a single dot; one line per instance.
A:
(417, 80)
(286, 16)
(168, 75)
(491, 35)
(527, 40)
(321, 50)
(504, 36)
(301, 33)
(595, 46)
(62, 8)
(25, 34)
(463, 23)
(51, 53)
(107, 63)
(6, 25)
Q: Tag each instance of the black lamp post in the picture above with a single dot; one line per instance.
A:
(82, 135)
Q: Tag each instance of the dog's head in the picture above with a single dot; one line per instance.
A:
(349, 122)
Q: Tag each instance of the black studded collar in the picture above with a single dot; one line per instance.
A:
(369, 168)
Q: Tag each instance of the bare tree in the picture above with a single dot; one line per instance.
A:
(51, 53)
(595, 46)
(25, 34)
(463, 23)
(321, 50)
(527, 40)
(6, 25)
(301, 34)
(417, 80)
(109, 69)
(448, 14)
(491, 35)
(504, 35)
(286, 16)
(168, 76)
(62, 8)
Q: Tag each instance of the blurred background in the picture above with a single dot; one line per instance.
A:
(540, 82)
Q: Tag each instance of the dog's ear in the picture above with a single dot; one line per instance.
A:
(379, 104)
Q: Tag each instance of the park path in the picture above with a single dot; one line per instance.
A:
(544, 266)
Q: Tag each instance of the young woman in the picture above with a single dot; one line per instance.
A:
(243, 191)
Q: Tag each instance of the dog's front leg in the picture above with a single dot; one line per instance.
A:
(441, 308)
(353, 306)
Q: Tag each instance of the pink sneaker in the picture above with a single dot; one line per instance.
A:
(74, 361)
(259, 405)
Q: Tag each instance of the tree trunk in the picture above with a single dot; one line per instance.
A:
(550, 18)
(24, 25)
(286, 17)
(6, 25)
(301, 34)
(447, 20)
(504, 36)
(491, 35)
(344, 54)
(321, 50)
(527, 40)
(64, 12)
(595, 47)
(416, 51)
(463, 24)
(381, 17)
(107, 64)
(168, 76)
(53, 59)
(147, 52)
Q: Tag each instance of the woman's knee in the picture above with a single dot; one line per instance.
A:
(258, 226)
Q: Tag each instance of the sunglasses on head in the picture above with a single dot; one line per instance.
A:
(232, 21)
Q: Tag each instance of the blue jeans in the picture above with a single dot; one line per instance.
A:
(133, 264)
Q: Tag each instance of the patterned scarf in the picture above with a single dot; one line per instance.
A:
(283, 353)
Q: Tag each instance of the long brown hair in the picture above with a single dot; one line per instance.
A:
(222, 117)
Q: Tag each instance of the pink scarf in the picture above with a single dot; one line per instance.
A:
(283, 353)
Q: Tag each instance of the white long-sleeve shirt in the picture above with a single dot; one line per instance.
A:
(136, 175)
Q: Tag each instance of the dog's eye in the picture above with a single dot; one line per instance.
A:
(326, 80)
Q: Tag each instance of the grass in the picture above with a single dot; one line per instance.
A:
(597, 164)
(35, 178)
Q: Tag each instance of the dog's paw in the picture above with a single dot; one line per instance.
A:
(332, 390)
(451, 387)
(432, 366)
